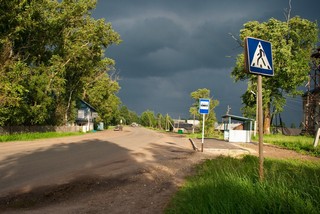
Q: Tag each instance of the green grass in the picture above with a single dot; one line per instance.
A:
(230, 185)
(217, 135)
(301, 144)
(34, 136)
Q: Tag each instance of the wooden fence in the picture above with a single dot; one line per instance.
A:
(30, 129)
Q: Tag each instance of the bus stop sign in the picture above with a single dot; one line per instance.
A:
(204, 106)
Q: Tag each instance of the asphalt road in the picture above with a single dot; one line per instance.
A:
(27, 165)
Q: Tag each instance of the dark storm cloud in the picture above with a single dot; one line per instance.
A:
(161, 37)
(151, 47)
(171, 48)
(159, 46)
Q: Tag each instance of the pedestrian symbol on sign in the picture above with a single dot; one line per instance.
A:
(259, 59)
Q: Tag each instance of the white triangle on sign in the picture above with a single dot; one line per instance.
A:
(259, 59)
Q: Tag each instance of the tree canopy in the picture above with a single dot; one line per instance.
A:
(52, 53)
(148, 119)
(211, 117)
(292, 44)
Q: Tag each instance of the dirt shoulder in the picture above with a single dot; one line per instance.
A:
(146, 189)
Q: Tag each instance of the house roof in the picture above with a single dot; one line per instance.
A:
(316, 54)
(238, 118)
(183, 125)
(92, 109)
(231, 126)
(313, 91)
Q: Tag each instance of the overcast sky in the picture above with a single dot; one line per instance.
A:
(171, 48)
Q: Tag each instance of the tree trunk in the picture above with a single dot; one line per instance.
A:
(68, 108)
(266, 121)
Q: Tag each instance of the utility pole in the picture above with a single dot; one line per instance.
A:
(256, 121)
(167, 122)
(194, 118)
(88, 119)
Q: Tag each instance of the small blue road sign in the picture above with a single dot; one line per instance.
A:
(259, 56)
(204, 106)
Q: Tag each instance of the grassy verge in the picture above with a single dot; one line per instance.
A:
(34, 136)
(217, 135)
(229, 185)
(301, 144)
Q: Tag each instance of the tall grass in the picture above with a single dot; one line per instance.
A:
(34, 136)
(229, 185)
(302, 144)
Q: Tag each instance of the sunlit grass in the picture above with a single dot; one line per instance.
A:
(302, 144)
(229, 185)
(34, 136)
(216, 135)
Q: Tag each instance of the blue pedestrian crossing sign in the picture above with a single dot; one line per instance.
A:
(259, 56)
(204, 106)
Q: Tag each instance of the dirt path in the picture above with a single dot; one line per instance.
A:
(145, 189)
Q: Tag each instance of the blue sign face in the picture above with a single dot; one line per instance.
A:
(204, 106)
(259, 56)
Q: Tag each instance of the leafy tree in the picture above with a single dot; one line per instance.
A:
(161, 121)
(24, 91)
(292, 44)
(133, 117)
(169, 123)
(50, 53)
(84, 41)
(124, 114)
(148, 119)
(211, 117)
(105, 101)
(128, 115)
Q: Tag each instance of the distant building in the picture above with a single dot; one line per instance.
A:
(185, 126)
(311, 99)
(196, 122)
(237, 132)
(86, 115)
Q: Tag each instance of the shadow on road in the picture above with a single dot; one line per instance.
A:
(71, 172)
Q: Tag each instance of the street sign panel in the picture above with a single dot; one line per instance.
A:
(204, 106)
(259, 56)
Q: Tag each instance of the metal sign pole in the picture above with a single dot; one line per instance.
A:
(203, 109)
(202, 141)
(258, 60)
(260, 127)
